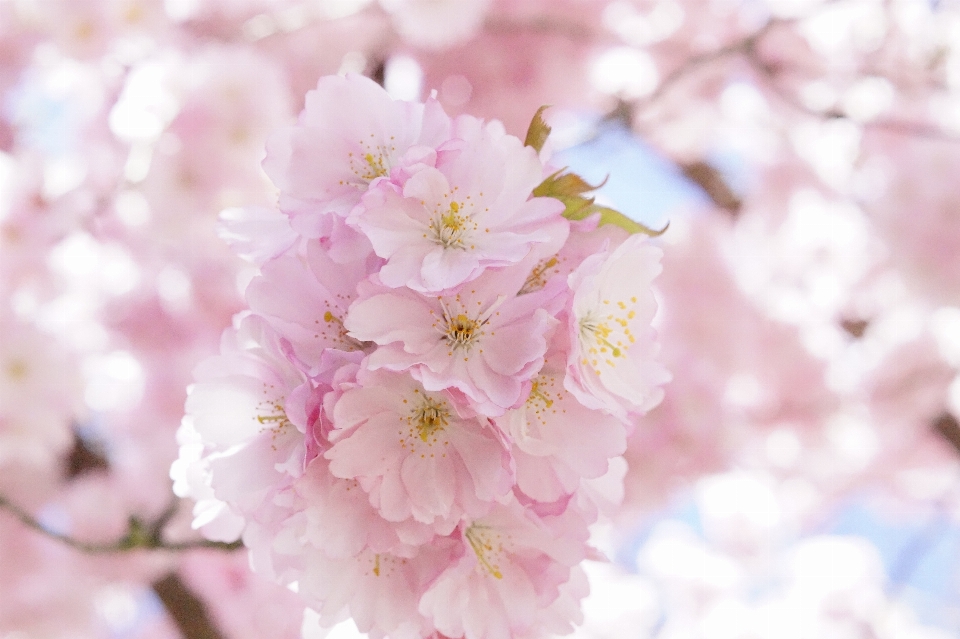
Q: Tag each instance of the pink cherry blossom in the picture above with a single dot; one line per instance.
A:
(39, 394)
(243, 604)
(483, 340)
(256, 234)
(350, 134)
(380, 591)
(512, 567)
(473, 211)
(611, 364)
(244, 410)
(305, 299)
(334, 516)
(557, 441)
(413, 453)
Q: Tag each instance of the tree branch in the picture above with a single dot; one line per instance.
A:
(185, 608)
(140, 535)
(741, 47)
(946, 426)
(901, 127)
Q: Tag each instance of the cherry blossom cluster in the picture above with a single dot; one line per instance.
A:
(811, 319)
(426, 404)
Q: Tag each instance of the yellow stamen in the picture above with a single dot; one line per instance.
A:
(449, 227)
(538, 276)
(430, 417)
(477, 539)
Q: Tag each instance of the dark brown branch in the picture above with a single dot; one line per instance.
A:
(855, 327)
(947, 427)
(85, 457)
(713, 184)
(140, 535)
(185, 608)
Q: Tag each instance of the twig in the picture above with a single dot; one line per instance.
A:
(946, 426)
(140, 535)
(740, 47)
(901, 127)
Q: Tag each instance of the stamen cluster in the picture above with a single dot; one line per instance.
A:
(426, 404)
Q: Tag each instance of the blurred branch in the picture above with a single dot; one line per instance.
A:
(140, 535)
(946, 426)
(854, 326)
(747, 48)
(769, 73)
(185, 608)
(711, 181)
(85, 457)
(744, 46)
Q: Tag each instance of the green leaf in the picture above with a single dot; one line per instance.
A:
(609, 216)
(561, 185)
(539, 130)
(569, 188)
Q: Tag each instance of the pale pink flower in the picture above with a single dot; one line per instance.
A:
(191, 477)
(611, 363)
(414, 454)
(217, 108)
(247, 408)
(473, 211)
(513, 72)
(557, 441)
(483, 340)
(256, 233)
(305, 295)
(511, 568)
(924, 245)
(380, 591)
(349, 135)
(334, 515)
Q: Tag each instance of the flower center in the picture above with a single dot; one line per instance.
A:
(462, 331)
(381, 565)
(430, 417)
(371, 162)
(605, 332)
(376, 167)
(274, 420)
(458, 328)
(17, 369)
(449, 227)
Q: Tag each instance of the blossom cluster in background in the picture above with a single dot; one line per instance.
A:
(799, 477)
